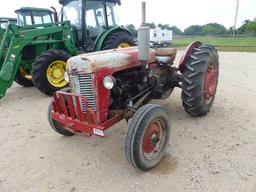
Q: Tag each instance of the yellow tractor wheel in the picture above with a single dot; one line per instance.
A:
(123, 45)
(48, 71)
(55, 73)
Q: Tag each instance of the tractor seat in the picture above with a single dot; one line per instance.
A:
(165, 55)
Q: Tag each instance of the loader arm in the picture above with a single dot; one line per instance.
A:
(58, 35)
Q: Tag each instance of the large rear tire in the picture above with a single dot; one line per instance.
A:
(118, 39)
(23, 78)
(48, 71)
(147, 137)
(200, 80)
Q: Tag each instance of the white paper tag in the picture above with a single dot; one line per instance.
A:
(98, 132)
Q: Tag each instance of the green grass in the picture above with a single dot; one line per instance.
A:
(241, 44)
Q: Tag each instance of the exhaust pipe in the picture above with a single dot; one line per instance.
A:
(144, 37)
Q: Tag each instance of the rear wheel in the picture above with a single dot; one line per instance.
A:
(56, 126)
(48, 71)
(200, 79)
(118, 39)
(147, 137)
(23, 78)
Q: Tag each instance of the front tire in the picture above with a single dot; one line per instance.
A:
(48, 71)
(147, 137)
(200, 80)
(56, 126)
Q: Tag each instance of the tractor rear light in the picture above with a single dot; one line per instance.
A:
(109, 82)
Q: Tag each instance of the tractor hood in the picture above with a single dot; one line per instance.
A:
(115, 60)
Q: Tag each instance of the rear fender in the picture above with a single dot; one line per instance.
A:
(186, 54)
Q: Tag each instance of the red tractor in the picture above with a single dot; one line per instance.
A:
(108, 86)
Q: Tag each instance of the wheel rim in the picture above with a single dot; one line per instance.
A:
(55, 73)
(25, 74)
(123, 45)
(153, 139)
(210, 82)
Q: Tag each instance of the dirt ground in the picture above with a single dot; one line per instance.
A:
(213, 153)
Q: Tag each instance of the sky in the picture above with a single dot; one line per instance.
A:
(181, 13)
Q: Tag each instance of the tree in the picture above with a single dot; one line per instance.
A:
(247, 21)
(161, 26)
(214, 29)
(243, 29)
(251, 27)
(194, 30)
(176, 30)
(209, 30)
(247, 27)
(132, 29)
(164, 26)
(151, 25)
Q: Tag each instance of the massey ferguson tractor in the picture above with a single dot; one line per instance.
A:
(108, 86)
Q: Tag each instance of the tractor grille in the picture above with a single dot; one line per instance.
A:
(83, 84)
(72, 83)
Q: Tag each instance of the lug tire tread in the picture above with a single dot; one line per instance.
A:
(115, 38)
(193, 80)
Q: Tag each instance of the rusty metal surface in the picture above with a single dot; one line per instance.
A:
(115, 59)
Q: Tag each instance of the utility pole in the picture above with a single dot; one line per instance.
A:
(234, 30)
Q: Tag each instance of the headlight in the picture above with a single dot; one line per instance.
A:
(66, 77)
(109, 82)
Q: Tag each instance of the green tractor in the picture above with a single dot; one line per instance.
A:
(5, 21)
(36, 54)
(28, 16)
(25, 16)
(34, 15)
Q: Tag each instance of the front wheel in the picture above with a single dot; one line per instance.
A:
(48, 71)
(147, 137)
(200, 80)
(56, 126)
